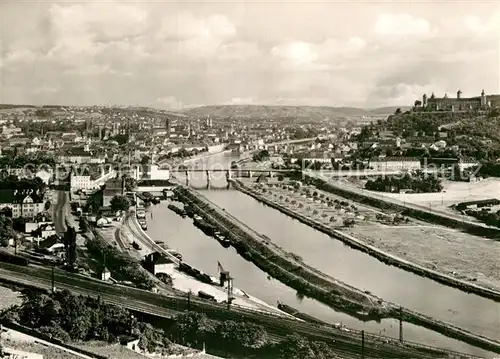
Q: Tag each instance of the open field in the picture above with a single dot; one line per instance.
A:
(9, 298)
(109, 350)
(46, 351)
(445, 250)
(453, 193)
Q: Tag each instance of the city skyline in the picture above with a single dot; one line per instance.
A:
(174, 56)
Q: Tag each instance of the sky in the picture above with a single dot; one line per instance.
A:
(176, 55)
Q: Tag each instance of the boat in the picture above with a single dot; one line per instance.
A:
(189, 211)
(206, 227)
(180, 211)
(222, 239)
(197, 217)
(292, 311)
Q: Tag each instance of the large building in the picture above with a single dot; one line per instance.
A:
(23, 203)
(458, 103)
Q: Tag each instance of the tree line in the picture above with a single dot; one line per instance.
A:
(418, 183)
(68, 317)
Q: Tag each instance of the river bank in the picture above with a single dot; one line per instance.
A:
(287, 268)
(408, 315)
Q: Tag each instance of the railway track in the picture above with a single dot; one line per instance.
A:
(169, 305)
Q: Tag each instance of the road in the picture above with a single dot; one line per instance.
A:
(61, 208)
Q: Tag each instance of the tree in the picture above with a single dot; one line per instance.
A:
(119, 203)
(47, 205)
(296, 347)
(398, 111)
(129, 183)
(6, 230)
(6, 211)
(242, 334)
(84, 228)
(192, 327)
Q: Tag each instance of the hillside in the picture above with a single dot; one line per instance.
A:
(285, 112)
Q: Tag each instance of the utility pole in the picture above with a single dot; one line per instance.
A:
(53, 286)
(189, 300)
(229, 292)
(400, 324)
(362, 344)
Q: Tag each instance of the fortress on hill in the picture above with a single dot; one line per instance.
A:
(458, 103)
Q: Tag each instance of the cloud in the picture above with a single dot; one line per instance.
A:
(401, 24)
(178, 54)
(47, 89)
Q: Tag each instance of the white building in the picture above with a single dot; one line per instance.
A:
(395, 164)
(26, 204)
(150, 172)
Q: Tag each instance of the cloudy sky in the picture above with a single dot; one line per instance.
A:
(182, 54)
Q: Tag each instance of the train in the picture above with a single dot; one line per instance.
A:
(195, 273)
(13, 259)
(204, 295)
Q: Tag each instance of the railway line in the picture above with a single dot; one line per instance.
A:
(168, 306)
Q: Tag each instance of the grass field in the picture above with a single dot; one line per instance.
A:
(445, 250)
(454, 192)
(8, 298)
(46, 351)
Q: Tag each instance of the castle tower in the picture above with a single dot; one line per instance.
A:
(424, 100)
(459, 94)
(483, 99)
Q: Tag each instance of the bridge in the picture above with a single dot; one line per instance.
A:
(256, 172)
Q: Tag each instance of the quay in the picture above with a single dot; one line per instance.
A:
(255, 250)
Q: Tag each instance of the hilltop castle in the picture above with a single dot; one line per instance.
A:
(453, 104)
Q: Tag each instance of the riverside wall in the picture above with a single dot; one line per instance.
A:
(397, 312)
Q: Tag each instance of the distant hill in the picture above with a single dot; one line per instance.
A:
(286, 112)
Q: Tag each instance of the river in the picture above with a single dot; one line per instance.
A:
(332, 257)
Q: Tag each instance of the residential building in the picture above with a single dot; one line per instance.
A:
(24, 203)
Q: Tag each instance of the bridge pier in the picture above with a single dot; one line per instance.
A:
(250, 174)
(208, 179)
(228, 178)
(188, 177)
(271, 174)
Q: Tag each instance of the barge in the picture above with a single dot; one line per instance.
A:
(206, 227)
(222, 239)
(180, 211)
